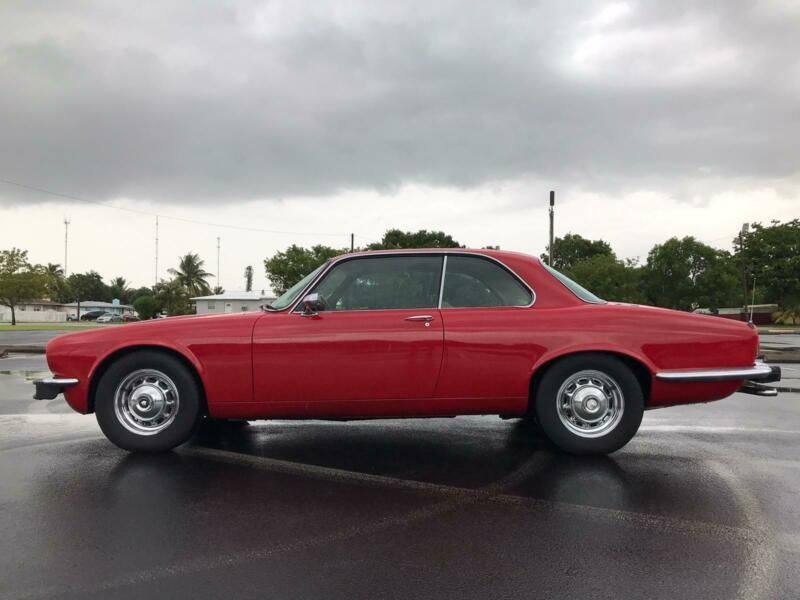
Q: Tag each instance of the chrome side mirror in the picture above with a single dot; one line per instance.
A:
(312, 305)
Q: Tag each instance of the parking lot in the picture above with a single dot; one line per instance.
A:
(701, 504)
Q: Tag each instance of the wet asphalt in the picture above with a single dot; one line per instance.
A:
(701, 504)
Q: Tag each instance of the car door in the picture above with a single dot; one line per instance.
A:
(374, 349)
(488, 344)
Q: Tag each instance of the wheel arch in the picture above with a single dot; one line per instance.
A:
(640, 369)
(103, 365)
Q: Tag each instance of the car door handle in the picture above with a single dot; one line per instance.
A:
(419, 318)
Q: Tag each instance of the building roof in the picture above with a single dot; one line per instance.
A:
(43, 302)
(236, 296)
(99, 304)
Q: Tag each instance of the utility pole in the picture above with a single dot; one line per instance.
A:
(66, 238)
(742, 233)
(156, 271)
(551, 211)
(352, 242)
(218, 277)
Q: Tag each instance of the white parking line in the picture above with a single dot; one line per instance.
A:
(716, 429)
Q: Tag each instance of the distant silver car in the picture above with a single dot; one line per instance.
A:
(109, 318)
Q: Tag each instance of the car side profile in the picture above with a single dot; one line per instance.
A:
(92, 315)
(109, 318)
(410, 333)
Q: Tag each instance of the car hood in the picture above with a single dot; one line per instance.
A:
(145, 329)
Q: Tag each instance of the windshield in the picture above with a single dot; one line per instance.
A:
(289, 295)
(580, 291)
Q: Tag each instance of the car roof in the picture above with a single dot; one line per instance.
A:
(498, 254)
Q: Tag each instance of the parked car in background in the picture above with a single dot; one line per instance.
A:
(410, 333)
(92, 315)
(127, 318)
(109, 318)
(72, 318)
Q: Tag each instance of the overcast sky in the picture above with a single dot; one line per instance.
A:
(311, 120)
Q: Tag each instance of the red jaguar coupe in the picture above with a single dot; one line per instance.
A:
(410, 333)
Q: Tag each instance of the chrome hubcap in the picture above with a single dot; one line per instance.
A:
(590, 403)
(146, 402)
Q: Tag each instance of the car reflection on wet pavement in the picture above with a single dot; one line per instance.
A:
(701, 504)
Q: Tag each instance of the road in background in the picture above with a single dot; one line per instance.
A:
(701, 504)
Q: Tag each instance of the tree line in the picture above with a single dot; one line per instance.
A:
(21, 281)
(684, 273)
(679, 273)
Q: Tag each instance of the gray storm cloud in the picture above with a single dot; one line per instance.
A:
(192, 102)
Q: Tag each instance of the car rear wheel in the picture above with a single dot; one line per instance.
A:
(148, 401)
(589, 404)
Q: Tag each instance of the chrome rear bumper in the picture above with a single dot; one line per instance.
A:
(758, 372)
(47, 389)
(754, 377)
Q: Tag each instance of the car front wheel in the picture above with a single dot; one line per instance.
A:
(148, 401)
(589, 404)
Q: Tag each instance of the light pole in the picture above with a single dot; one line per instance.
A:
(742, 234)
(551, 211)
(66, 239)
(156, 268)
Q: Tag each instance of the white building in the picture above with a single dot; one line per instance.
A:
(115, 308)
(230, 302)
(35, 311)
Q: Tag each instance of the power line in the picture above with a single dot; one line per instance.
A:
(170, 217)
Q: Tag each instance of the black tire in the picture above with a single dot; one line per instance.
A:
(182, 421)
(624, 427)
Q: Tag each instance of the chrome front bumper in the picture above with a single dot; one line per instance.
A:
(754, 377)
(47, 389)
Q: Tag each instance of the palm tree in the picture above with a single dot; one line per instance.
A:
(248, 278)
(119, 289)
(172, 297)
(54, 270)
(54, 281)
(191, 275)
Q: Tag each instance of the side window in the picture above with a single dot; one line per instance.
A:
(382, 283)
(471, 281)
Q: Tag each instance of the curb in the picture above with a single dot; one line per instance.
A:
(787, 390)
(778, 356)
(4, 350)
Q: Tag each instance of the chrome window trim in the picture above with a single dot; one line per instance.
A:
(502, 266)
(441, 283)
(302, 294)
(571, 291)
(758, 370)
(345, 257)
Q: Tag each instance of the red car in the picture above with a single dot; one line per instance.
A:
(410, 333)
